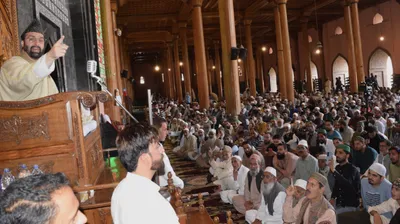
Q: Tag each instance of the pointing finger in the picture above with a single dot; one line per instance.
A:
(60, 40)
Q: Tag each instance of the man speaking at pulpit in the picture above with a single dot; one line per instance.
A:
(27, 77)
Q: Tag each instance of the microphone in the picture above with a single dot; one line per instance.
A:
(91, 67)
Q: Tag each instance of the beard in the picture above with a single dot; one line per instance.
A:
(156, 165)
(280, 156)
(248, 154)
(254, 173)
(268, 188)
(341, 129)
(339, 160)
(321, 141)
(34, 55)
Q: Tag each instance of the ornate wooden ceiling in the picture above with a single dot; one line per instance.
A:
(149, 24)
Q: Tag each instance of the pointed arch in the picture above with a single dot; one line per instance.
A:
(338, 31)
(340, 69)
(380, 65)
(273, 80)
(314, 70)
(378, 18)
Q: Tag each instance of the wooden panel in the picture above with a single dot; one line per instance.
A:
(99, 216)
(8, 30)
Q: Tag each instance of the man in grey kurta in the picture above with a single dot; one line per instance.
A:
(306, 164)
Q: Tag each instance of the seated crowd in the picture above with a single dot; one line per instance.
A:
(319, 160)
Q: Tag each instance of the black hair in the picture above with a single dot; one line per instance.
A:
(134, 141)
(158, 121)
(28, 200)
(277, 136)
(283, 145)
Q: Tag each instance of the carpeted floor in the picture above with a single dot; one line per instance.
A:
(195, 182)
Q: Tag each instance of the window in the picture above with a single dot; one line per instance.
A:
(378, 18)
(271, 51)
(309, 39)
(141, 80)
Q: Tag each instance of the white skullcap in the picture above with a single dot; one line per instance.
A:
(301, 183)
(186, 129)
(303, 143)
(316, 108)
(379, 168)
(237, 157)
(274, 108)
(212, 131)
(322, 157)
(286, 125)
(271, 170)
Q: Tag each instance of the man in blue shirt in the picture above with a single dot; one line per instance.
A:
(363, 155)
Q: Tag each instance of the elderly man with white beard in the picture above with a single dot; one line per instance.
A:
(251, 200)
(238, 183)
(273, 198)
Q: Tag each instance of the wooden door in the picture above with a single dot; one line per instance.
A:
(9, 39)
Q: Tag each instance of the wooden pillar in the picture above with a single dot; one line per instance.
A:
(350, 48)
(260, 73)
(286, 49)
(178, 84)
(165, 72)
(218, 69)
(250, 59)
(209, 69)
(200, 54)
(281, 59)
(171, 79)
(109, 54)
(230, 67)
(306, 56)
(264, 57)
(117, 51)
(185, 55)
(357, 40)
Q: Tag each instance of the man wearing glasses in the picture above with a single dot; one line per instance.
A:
(27, 77)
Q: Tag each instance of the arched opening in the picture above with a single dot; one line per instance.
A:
(314, 72)
(338, 31)
(340, 70)
(272, 80)
(378, 18)
(380, 65)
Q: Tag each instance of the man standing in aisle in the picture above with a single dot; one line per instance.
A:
(27, 77)
(136, 197)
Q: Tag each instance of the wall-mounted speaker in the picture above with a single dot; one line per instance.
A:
(234, 53)
(242, 53)
(124, 73)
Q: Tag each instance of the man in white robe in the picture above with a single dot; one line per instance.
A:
(27, 77)
(239, 177)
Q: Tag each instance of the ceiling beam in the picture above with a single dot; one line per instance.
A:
(123, 19)
(320, 4)
(255, 7)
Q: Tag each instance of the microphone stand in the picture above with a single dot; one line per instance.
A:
(104, 89)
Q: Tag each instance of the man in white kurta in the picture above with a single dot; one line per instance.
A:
(136, 199)
(239, 177)
(27, 77)
(273, 192)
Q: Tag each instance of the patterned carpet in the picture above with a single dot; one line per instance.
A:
(195, 179)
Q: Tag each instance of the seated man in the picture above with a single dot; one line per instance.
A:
(300, 188)
(306, 164)
(391, 205)
(222, 168)
(136, 197)
(273, 197)
(363, 155)
(249, 150)
(236, 187)
(394, 167)
(188, 146)
(285, 164)
(38, 199)
(252, 189)
(313, 208)
(376, 189)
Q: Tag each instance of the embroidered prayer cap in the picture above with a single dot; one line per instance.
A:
(378, 168)
(271, 170)
(320, 178)
(395, 148)
(322, 131)
(337, 135)
(344, 147)
(237, 157)
(35, 26)
(301, 183)
(303, 143)
(396, 183)
(322, 157)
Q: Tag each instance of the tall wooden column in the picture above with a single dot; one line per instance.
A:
(218, 69)
(117, 50)
(230, 67)
(185, 55)
(109, 54)
(306, 58)
(357, 40)
(178, 85)
(286, 49)
(171, 78)
(200, 54)
(350, 41)
(260, 73)
(281, 58)
(165, 72)
(250, 59)
(264, 58)
(209, 69)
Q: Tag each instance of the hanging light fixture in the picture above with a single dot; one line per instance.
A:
(180, 63)
(141, 80)
(213, 67)
(318, 48)
(157, 68)
(381, 38)
(264, 49)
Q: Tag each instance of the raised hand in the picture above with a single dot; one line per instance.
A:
(58, 50)
(290, 191)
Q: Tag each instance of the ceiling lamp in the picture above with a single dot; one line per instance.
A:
(141, 80)
(381, 38)
(239, 60)
(318, 48)
(264, 49)
(157, 68)
(180, 63)
(169, 69)
(213, 67)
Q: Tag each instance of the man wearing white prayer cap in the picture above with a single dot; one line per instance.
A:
(273, 197)
(238, 183)
(306, 164)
